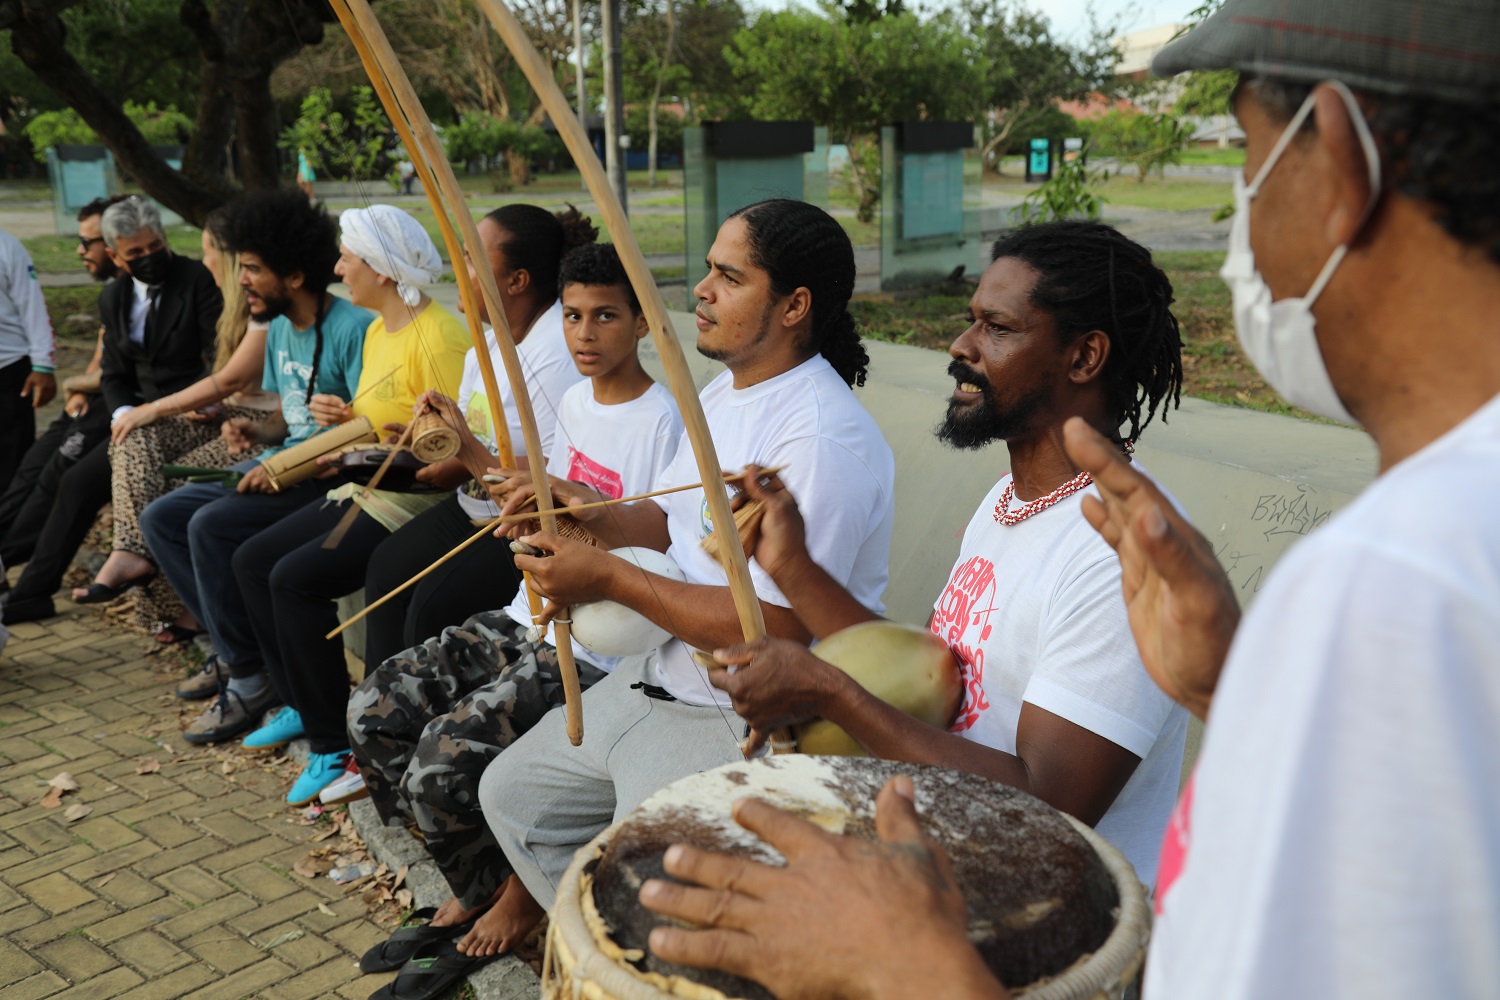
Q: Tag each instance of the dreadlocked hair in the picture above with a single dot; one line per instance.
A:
(1092, 277)
(536, 239)
(801, 246)
(290, 235)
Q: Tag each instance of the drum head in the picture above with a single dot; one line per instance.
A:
(1040, 897)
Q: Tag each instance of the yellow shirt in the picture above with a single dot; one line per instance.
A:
(427, 353)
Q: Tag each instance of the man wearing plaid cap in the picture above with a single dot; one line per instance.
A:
(1341, 833)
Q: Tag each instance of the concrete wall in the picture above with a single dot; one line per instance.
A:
(1252, 482)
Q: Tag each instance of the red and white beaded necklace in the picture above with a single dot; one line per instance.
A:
(1004, 515)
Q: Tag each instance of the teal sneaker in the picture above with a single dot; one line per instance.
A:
(281, 730)
(322, 770)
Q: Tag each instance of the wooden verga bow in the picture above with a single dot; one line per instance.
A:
(679, 378)
(399, 99)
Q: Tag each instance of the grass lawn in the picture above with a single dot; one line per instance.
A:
(1234, 156)
(74, 310)
(1173, 194)
(1214, 367)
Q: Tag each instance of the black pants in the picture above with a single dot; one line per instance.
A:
(483, 577)
(17, 419)
(24, 506)
(290, 583)
(81, 491)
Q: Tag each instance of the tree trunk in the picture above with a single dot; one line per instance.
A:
(38, 41)
(662, 65)
(256, 130)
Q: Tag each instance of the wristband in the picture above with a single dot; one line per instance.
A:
(43, 369)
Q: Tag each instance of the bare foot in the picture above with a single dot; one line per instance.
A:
(505, 924)
(453, 913)
(187, 621)
(120, 567)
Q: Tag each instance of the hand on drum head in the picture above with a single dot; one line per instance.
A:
(1182, 607)
(844, 918)
(782, 539)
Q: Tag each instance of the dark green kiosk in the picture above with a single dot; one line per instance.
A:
(728, 165)
(926, 233)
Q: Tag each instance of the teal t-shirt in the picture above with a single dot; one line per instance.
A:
(289, 356)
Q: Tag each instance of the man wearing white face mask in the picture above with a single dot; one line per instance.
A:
(1341, 834)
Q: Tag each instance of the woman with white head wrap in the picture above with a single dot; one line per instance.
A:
(386, 258)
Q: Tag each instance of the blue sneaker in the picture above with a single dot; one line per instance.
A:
(281, 730)
(322, 770)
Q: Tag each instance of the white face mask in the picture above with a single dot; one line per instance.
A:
(1280, 337)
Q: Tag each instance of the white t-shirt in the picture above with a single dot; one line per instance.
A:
(838, 466)
(1341, 834)
(548, 368)
(618, 450)
(1035, 614)
(25, 330)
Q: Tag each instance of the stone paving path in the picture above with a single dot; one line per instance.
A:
(177, 882)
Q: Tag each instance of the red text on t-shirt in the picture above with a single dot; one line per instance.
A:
(962, 619)
(582, 469)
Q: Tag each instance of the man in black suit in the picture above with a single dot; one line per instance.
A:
(159, 318)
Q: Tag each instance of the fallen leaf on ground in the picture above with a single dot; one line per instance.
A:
(149, 766)
(64, 782)
(77, 811)
(328, 910)
(52, 799)
(105, 880)
(227, 767)
(283, 939)
(400, 877)
(312, 867)
(404, 898)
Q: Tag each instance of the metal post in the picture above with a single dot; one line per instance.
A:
(583, 104)
(614, 101)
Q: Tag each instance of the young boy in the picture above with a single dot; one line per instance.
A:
(426, 723)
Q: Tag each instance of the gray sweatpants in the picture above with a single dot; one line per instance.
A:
(544, 798)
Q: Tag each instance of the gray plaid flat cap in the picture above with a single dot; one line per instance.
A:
(1439, 48)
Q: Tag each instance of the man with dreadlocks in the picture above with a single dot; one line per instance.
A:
(314, 347)
(1070, 319)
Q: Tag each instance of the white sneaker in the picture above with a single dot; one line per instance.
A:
(348, 787)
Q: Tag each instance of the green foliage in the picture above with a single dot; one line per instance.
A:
(1207, 92)
(1023, 71)
(1147, 142)
(668, 129)
(1070, 194)
(862, 175)
(351, 147)
(161, 126)
(478, 136)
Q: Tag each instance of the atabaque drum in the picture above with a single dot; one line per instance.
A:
(1055, 911)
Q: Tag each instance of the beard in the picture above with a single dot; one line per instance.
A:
(723, 354)
(271, 306)
(104, 270)
(973, 425)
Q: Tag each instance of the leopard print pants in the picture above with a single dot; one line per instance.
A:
(136, 480)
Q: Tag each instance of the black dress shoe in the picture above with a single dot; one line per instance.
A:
(28, 609)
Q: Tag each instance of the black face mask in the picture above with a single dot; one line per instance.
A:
(151, 269)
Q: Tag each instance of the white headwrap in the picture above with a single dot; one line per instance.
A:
(395, 245)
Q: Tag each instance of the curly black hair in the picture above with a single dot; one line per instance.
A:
(287, 232)
(536, 240)
(290, 235)
(801, 246)
(1437, 151)
(1090, 276)
(596, 265)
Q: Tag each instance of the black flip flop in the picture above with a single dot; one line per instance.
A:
(392, 953)
(431, 972)
(171, 635)
(103, 593)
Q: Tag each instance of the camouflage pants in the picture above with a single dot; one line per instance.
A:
(426, 723)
